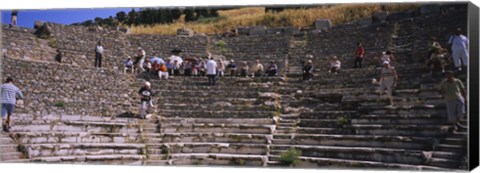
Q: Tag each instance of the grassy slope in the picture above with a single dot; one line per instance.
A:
(229, 19)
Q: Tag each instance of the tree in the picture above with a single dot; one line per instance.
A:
(213, 13)
(121, 17)
(189, 15)
(132, 17)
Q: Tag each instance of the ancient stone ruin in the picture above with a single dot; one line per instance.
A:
(74, 113)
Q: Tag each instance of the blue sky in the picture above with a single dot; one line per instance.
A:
(27, 18)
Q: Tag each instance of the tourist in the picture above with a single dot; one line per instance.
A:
(308, 70)
(14, 18)
(98, 55)
(459, 49)
(453, 92)
(257, 69)
(146, 99)
(221, 68)
(140, 59)
(437, 61)
(148, 66)
(202, 66)
(232, 68)
(59, 55)
(335, 65)
(387, 56)
(176, 68)
(163, 71)
(244, 69)
(169, 67)
(128, 65)
(187, 69)
(195, 67)
(272, 69)
(10, 94)
(359, 54)
(211, 71)
(155, 67)
(388, 80)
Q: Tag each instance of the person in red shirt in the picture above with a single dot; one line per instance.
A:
(359, 55)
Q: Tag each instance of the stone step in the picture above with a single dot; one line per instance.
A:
(75, 127)
(213, 128)
(447, 155)
(77, 149)
(208, 137)
(405, 121)
(8, 148)
(10, 155)
(445, 163)
(408, 130)
(346, 163)
(451, 148)
(90, 158)
(390, 141)
(224, 148)
(386, 155)
(216, 114)
(454, 141)
(218, 159)
(167, 120)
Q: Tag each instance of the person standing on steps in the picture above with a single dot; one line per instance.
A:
(459, 49)
(10, 94)
(387, 56)
(308, 70)
(14, 18)
(359, 54)
(388, 80)
(98, 55)
(335, 65)
(454, 94)
(145, 99)
(141, 59)
(211, 71)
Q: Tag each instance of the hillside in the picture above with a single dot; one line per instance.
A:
(250, 16)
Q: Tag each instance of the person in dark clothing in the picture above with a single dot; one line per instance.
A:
(232, 67)
(59, 55)
(308, 70)
(146, 99)
(272, 69)
(359, 54)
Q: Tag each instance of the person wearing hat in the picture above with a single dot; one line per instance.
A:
(232, 67)
(257, 68)
(98, 55)
(308, 70)
(388, 80)
(453, 92)
(128, 64)
(335, 65)
(459, 47)
(10, 94)
(145, 99)
(272, 69)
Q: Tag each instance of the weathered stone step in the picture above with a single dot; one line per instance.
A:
(390, 141)
(454, 141)
(220, 105)
(219, 137)
(167, 120)
(10, 155)
(409, 130)
(346, 163)
(445, 163)
(224, 148)
(322, 123)
(319, 130)
(212, 128)
(327, 114)
(87, 158)
(77, 137)
(386, 155)
(451, 148)
(52, 150)
(218, 159)
(447, 154)
(407, 121)
(216, 114)
(76, 127)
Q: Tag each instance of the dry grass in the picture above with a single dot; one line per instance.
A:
(251, 16)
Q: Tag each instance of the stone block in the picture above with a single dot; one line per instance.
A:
(257, 30)
(379, 17)
(430, 9)
(274, 31)
(185, 32)
(242, 30)
(323, 24)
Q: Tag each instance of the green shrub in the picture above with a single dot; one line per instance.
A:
(60, 104)
(291, 157)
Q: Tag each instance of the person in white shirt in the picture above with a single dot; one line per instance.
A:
(388, 80)
(257, 69)
(459, 48)
(334, 65)
(128, 65)
(141, 58)
(98, 55)
(387, 56)
(211, 71)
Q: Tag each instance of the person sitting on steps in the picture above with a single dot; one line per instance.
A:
(335, 65)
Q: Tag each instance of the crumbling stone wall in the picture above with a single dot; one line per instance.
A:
(55, 88)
